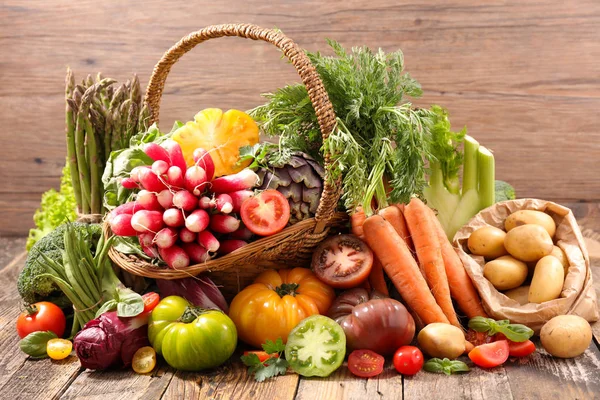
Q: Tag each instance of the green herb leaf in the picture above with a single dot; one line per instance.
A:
(513, 332)
(129, 303)
(250, 360)
(108, 306)
(271, 347)
(445, 366)
(273, 367)
(34, 344)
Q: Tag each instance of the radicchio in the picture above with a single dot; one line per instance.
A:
(200, 291)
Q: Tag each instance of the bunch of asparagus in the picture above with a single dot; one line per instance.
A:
(100, 119)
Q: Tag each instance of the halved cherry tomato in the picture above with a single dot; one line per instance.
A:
(490, 355)
(478, 338)
(151, 300)
(365, 363)
(144, 360)
(521, 349)
(58, 349)
(408, 360)
(266, 213)
(42, 316)
(262, 355)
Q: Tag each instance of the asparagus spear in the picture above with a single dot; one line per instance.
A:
(82, 163)
(71, 109)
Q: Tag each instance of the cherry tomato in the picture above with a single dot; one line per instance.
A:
(478, 338)
(490, 355)
(521, 349)
(42, 316)
(365, 363)
(408, 360)
(262, 355)
(150, 301)
(266, 213)
(144, 360)
(58, 349)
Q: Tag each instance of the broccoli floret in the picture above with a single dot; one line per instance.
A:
(31, 286)
(504, 191)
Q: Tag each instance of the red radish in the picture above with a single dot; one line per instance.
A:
(165, 198)
(245, 179)
(150, 251)
(228, 246)
(146, 239)
(147, 221)
(242, 233)
(175, 154)
(127, 208)
(135, 173)
(173, 217)
(175, 177)
(197, 221)
(148, 200)
(187, 236)
(160, 167)
(185, 200)
(129, 183)
(121, 225)
(224, 203)
(150, 181)
(222, 223)
(237, 198)
(205, 203)
(195, 179)
(203, 159)
(157, 153)
(166, 237)
(208, 241)
(197, 253)
(175, 257)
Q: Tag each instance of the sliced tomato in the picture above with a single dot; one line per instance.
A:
(490, 355)
(521, 349)
(144, 360)
(266, 213)
(408, 360)
(151, 300)
(262, 355)
(365, 363)
(478, 338)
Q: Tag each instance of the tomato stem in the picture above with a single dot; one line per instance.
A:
(31, 309)
(191, 313)
(287, 289)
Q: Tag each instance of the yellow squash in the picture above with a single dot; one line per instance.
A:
(222, 134)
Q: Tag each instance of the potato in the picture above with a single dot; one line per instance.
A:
(442, 340)
(487, 241)
(524, 217)
(562, 257)
(547, 281)
(528, 242)
(566, 336)
(520, 294)
(505, 272)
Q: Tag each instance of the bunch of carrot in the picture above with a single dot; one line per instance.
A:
(428, 286)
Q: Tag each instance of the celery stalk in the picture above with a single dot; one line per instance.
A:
(486, 177)
(470, 175)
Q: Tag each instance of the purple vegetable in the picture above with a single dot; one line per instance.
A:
(200, 291)
(111, 341)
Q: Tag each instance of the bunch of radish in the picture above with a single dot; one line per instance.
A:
(181, 214)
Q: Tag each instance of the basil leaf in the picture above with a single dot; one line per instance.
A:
(434, 365)
(481, 324)
(34, 344)
(108, 306)
(129, 303)
(445, 366)
(459, 366)
(516, 332)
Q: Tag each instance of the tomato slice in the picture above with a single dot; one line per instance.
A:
(144, 360)
(266, 213)
(479, 338)
(490, 355)
(262, 355)
(58, 349)
(521, 349)
(408, 360)
(151, 300)
(365, 363)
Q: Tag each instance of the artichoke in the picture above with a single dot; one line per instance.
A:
(300, 180)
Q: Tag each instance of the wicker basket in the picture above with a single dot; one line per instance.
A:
(292, 246)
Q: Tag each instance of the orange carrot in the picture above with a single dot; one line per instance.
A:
(429, 253)
(402, 269)
(407, 238)
(356, 221)
(377, 278)
(461, 286)
(394, 216)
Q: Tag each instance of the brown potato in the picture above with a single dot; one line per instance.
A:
(566, 336)
(548, 280)
(442, 340)
(524, 217)
(505, 272)
(487, 241)
(520, 294)
(562, 257)
(528, 242)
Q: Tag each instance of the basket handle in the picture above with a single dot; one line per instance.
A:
(316, 92)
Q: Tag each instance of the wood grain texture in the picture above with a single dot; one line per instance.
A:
(523, 76)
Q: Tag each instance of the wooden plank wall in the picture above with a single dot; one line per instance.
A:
(522, 75)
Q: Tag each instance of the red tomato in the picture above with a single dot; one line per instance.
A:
(262, 355)
(266, 213)
(521, 349)
(43, 316)
(365, 363)
(477, 338)
(150, 301)
(408, 360)
(490, 355)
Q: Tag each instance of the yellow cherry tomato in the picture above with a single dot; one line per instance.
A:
(58, 349)
(144, 360)
(276, 302)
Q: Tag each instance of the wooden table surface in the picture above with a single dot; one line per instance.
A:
(539, 376)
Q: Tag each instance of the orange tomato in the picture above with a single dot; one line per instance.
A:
(221, 134)
(276, 302)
